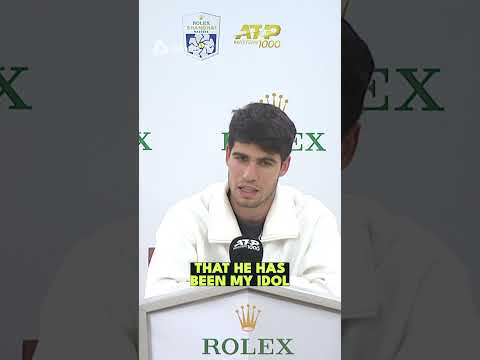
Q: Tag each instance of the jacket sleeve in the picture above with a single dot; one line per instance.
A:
(175, 249)
(320, 270)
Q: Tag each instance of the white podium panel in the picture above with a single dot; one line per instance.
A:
(202, 324)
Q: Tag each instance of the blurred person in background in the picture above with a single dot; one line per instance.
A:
(404, 293)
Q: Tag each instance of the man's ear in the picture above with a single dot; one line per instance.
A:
(285, 165)
(349, 145)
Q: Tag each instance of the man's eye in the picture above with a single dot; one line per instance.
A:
(266, 163)
(241, 158)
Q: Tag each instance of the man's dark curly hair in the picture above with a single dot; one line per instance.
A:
(264, 125)
(357, 69)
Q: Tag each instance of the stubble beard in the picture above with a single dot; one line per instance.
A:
(248, 204)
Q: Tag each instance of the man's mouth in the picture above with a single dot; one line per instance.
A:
(247, 190)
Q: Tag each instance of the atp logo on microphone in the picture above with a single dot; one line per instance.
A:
(249, 244)
(246, 250)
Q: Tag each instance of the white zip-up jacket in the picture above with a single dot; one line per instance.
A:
(298, 229)
(406, 295)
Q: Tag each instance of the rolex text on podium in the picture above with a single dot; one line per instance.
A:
(239, 274)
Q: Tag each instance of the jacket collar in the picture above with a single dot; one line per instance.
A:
(359, 281)
(281, 221)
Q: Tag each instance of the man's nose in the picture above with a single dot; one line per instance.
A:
(250, 172)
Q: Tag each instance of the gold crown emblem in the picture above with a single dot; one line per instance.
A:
(248, 321)
(278, 101)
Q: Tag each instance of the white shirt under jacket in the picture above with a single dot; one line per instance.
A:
(298, 229)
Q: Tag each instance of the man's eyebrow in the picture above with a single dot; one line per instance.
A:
(264, 158)
(239, 153)
(267, 158)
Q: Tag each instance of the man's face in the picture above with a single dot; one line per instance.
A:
(253, 175)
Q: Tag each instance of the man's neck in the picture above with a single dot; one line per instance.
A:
(250, 219)
(252, 215)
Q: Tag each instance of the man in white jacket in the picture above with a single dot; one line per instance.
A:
(405, 294)
(293, 227)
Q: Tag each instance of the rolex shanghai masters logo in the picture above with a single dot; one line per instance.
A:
(201, 33)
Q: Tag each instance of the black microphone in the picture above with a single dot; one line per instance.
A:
(246, 249)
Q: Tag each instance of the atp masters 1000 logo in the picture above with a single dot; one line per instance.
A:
(263, 36)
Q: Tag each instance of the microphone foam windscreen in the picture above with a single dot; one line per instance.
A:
(245, 249)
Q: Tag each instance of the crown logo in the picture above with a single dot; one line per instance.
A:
(248, 321)
(278, 101)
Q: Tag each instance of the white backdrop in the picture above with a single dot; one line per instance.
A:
(186, 103)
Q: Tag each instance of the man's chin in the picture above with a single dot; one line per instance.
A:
(251, 204)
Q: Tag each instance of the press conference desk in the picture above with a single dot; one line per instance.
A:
(207, 321)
